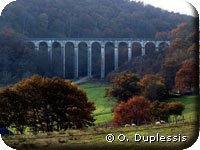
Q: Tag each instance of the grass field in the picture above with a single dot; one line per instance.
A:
(95, 92)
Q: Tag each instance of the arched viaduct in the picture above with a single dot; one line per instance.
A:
(89, 42)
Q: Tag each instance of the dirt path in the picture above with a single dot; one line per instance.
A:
(82, 80)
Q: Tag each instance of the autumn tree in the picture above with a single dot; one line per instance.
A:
(135, 110)
(169, 69)
(14, 107)
(181, 30)
(176, 108)
(159, 110)
(154, 87)
(175, 55)
(4, 110)
(178, 50)
(183, 47)
(187, 76)
(125, 85)
(45, 104)
(162, 35)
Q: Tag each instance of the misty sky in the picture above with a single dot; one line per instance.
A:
(180, 6)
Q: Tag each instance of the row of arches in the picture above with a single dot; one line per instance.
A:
(52, 61)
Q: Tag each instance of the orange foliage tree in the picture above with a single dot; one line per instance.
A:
(135, 110)
(181, 30)
(187, 76)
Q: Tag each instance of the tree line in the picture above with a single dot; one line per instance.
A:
(139, 110)
(141, 101)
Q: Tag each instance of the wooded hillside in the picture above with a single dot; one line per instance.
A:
(87, 18)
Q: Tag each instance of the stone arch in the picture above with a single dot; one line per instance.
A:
(163, 46)
(136, 49)
(109, 57)
(150, 48)
(122, 52)
(69, 59)
(57, 69)
(42, 43)
(43, 63)
(96, 60)
(31, 45)
(82, 59)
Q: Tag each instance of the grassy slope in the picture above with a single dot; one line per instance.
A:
(95, 92)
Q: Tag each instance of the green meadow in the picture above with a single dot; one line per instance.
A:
(95, 92)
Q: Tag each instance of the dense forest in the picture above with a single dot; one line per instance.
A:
(81, 18)
(87, 18)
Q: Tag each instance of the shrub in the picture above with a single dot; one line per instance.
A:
(176, 108)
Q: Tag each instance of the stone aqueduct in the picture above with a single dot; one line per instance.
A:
(89, 43)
